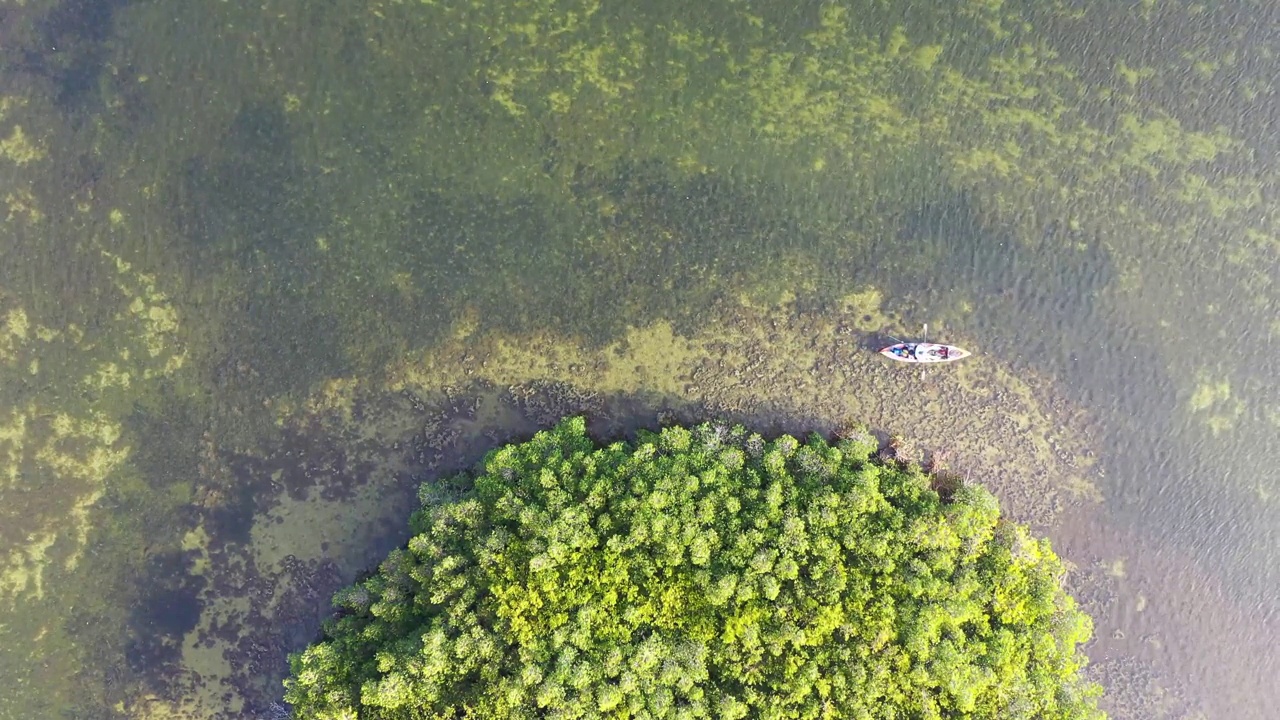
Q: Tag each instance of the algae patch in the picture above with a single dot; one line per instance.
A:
(22, 572)
(1212, 402)
(68, 444)
(15, 146)
(20, 149)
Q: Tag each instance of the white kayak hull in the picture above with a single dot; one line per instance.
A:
(924, 353)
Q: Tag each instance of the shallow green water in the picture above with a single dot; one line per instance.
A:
(212, 211)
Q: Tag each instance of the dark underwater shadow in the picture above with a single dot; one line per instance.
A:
(167, 610)
(636, 244)
(68, 53)
(287, 605)
(250, 199)
(251, 208)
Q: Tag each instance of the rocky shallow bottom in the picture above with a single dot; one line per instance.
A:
(333, 496)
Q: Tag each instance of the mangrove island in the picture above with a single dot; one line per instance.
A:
(703, 572)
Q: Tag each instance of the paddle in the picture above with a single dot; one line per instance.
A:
(900, 341)
(924, 337)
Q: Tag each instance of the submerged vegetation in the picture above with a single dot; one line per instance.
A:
(189, 246)
(703, 572)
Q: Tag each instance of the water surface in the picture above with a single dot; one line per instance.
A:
(263, 268)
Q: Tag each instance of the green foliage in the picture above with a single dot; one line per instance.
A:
(703, 572)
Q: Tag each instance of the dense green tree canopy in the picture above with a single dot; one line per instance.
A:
(703, 572)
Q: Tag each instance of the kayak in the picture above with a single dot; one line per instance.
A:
(924, 352)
